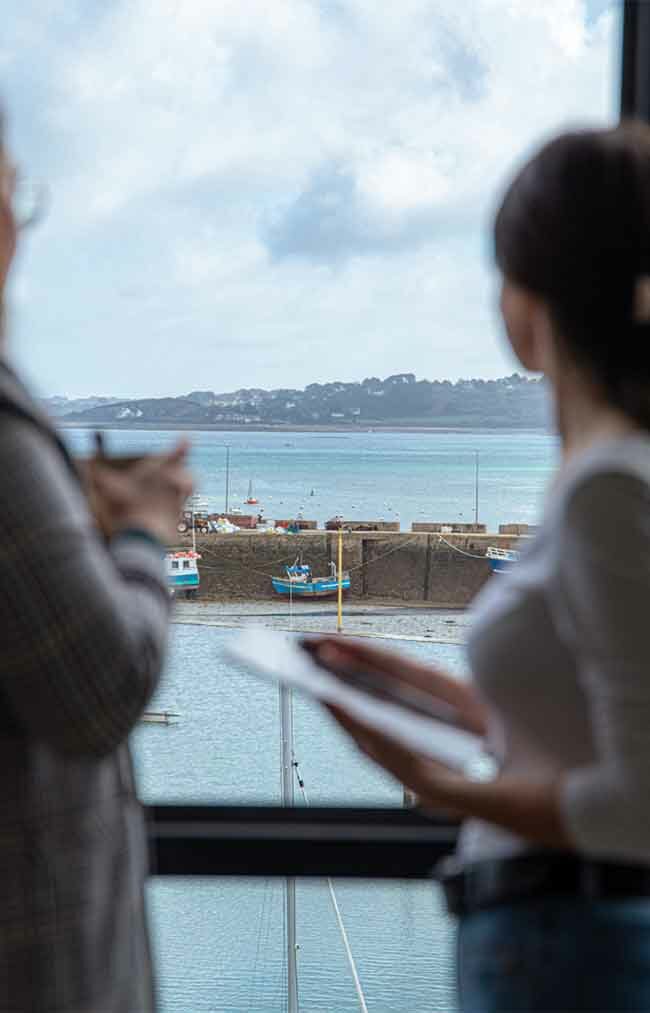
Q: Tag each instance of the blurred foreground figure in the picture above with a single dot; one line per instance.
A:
(83, 625)
(551, 881)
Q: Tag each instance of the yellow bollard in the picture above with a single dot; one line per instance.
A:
(339, 620)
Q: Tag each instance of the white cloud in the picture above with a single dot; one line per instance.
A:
(181, 130)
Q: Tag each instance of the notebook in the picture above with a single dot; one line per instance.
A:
(280, 657)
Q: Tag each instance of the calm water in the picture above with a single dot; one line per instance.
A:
(219, 944)
(376, 475)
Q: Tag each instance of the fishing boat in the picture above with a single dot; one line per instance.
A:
(501, 560)
(250, 498)
(299, 582)
(182, 572)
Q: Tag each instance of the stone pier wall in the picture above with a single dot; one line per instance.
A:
(383, 566)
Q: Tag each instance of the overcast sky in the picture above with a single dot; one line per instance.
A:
(274, 192)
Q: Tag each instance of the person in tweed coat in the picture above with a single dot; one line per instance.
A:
(84, 623)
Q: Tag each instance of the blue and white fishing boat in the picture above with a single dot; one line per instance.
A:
(182, 571)
(299, 582)
(501, 560)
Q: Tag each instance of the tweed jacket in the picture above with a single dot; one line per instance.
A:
(83, 629)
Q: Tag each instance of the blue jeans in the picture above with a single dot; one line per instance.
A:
(556, 954)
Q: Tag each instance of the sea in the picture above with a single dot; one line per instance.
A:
(219, 944)
(393, 476)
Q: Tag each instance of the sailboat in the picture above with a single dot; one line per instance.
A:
(250, 499)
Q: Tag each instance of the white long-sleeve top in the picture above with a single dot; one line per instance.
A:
(560, 650)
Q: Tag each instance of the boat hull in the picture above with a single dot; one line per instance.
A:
(309, 589)
(501, 565)
(183, 580)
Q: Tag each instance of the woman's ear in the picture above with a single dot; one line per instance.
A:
(527, 326)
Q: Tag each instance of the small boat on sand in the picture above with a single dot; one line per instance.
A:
(300, 583)
(182, 573)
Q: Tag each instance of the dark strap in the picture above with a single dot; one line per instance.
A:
(542, 874)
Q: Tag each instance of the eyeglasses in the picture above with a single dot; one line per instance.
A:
(30, 203)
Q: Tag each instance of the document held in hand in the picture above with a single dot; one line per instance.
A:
(280, 656)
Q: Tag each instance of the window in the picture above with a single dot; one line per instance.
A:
(274, 203)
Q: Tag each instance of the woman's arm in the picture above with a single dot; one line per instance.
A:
(83, 629)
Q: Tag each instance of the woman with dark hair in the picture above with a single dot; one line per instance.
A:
(551, 879)
(83, 622)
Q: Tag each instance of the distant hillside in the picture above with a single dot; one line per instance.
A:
(512, 401)
(65, 405)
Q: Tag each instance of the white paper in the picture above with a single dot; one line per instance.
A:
(280, 657)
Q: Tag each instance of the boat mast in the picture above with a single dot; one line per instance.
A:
(476, 486)
(286, 736)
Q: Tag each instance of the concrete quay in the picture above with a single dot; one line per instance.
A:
(439, 569)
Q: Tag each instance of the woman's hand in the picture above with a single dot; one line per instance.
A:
(149, 494)
(348, 655)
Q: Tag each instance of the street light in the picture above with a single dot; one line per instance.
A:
(227, 477)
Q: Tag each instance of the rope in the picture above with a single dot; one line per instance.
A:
(258, 947)
(471, 555)
(337, 913)
(242, 562)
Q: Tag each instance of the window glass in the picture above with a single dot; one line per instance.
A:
(247, 199)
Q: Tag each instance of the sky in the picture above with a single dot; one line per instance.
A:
(268, 193)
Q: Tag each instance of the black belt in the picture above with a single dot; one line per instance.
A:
(535, 875)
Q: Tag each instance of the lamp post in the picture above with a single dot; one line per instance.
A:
(476, 469)
(227, 478)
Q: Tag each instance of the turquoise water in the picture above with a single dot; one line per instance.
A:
(219, 943)
(366, 475)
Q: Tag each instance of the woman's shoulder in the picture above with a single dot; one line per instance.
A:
(26, 428)
(18, 403)
(602, 503)
(606, 473)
